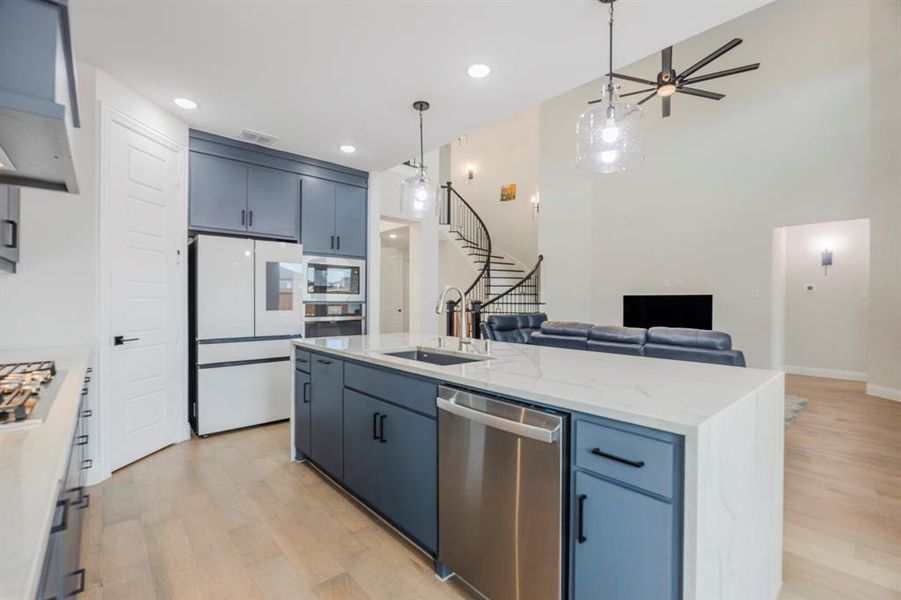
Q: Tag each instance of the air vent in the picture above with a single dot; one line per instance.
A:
(256, 137)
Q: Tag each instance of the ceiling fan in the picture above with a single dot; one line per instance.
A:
(670, 82)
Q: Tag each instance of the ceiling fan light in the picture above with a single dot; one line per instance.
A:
(667, 89)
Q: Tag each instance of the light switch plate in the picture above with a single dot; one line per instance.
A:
(810, 288)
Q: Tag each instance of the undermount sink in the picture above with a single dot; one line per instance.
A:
(436, 357)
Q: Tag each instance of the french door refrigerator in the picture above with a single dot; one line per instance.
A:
(246, 303)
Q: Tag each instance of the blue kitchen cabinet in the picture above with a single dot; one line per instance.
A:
(218, 194)
(301, 411)
(362, 447)
(273, 203)
(317, 221)
(350, 220)
(333, 218)
(409, 475)
(327, 413)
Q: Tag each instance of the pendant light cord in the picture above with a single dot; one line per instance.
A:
(421, 146)
(610, 57)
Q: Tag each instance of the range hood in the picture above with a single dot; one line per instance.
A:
(38, 102)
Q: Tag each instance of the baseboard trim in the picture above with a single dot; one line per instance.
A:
(827, 373)
(881, 391)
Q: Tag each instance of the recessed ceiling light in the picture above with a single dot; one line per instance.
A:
(393, 236)
(478, 71)
(185, 103)
(347, 148)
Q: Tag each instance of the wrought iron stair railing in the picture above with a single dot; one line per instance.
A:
(524, 296)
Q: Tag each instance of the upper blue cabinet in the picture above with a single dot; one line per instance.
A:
(242, 188)
(38, 100)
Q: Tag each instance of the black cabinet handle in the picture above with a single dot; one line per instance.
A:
(80, 573)
(64, 518)
(332, 243)
(306, 392)
(322, 361)
(87, 464)
(88, 412)
(632, 463)
(339, 242)
(375, 426)
(242, 216)
(85, 501)
(382, 428)
(81, 440)
(250, 219)
(14, 234)
(581, 524)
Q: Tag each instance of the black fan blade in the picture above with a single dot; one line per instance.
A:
(635, 79)
(666, 60)
(648, 97)
(666, 105)
(653, 89)
(708, 59)
(701, 93)
(718, 74)
(595, 101)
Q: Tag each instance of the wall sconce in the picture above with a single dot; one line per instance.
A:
(826, 261)
(536, 206)
(470, 172)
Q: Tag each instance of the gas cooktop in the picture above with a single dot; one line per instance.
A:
(26, 390)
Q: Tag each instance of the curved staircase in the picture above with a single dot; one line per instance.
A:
(502, 285)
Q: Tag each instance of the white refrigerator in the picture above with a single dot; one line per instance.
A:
(246, 304)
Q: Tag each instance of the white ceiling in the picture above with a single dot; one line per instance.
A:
(317, 74)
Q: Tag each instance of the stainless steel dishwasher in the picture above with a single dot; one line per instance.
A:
(500, 491)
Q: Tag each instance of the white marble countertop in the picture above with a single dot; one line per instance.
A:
(32, 465)
(669, 395)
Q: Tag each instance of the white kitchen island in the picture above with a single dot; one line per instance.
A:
(730, 418)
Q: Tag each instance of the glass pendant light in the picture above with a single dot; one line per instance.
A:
(418, 193)
(608, 134)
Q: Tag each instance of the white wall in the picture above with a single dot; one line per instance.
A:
(826, 330)
(503, 153)
(812, 136)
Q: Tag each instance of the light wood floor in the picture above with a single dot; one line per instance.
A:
(231, 517)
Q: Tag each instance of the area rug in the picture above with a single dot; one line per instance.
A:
(793, 407)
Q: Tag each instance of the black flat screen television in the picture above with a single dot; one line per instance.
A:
(695, 311)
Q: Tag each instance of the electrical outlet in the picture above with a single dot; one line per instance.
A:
(810, 288)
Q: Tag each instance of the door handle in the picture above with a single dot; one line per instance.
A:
(632, 463)
(582, 538)
(375, 425)
(306, 392)
(382, 428)
(121, 339)
(14, 233)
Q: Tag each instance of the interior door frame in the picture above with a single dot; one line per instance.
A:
(180, 430)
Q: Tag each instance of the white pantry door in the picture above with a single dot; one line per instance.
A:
(141, 186)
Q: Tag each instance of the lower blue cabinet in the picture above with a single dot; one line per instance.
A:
(390, 461)
(302, 411)
(327, 413)
(624, 543)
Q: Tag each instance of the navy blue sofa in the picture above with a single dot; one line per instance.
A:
(696, 345)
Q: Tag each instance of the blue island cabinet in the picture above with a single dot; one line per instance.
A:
(326, 405)
(626, 510)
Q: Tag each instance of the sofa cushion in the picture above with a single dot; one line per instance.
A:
(566, 328)
(539, 338)
(615, 348)
(705, 355)
(618, 335)
(512, 328)
(691, 338)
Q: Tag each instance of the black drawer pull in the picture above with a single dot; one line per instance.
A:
(306, 392)
(81, 440)
(302, 360)
(87, 379)
(382, 428)
(85, 501)
(13, 235)
(64, 518)
(339, 243)
(243, 212)
(87, 413)
(322, 361)
(582, 538)
(87, 464)
(375, 426)
(332, 243)
(632, 463)
(80, 573)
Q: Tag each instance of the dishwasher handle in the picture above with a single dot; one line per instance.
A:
(548, 436)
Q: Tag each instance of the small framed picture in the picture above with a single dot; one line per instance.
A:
(508, 192)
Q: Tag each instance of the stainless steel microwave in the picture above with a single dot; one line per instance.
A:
(331, 279)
